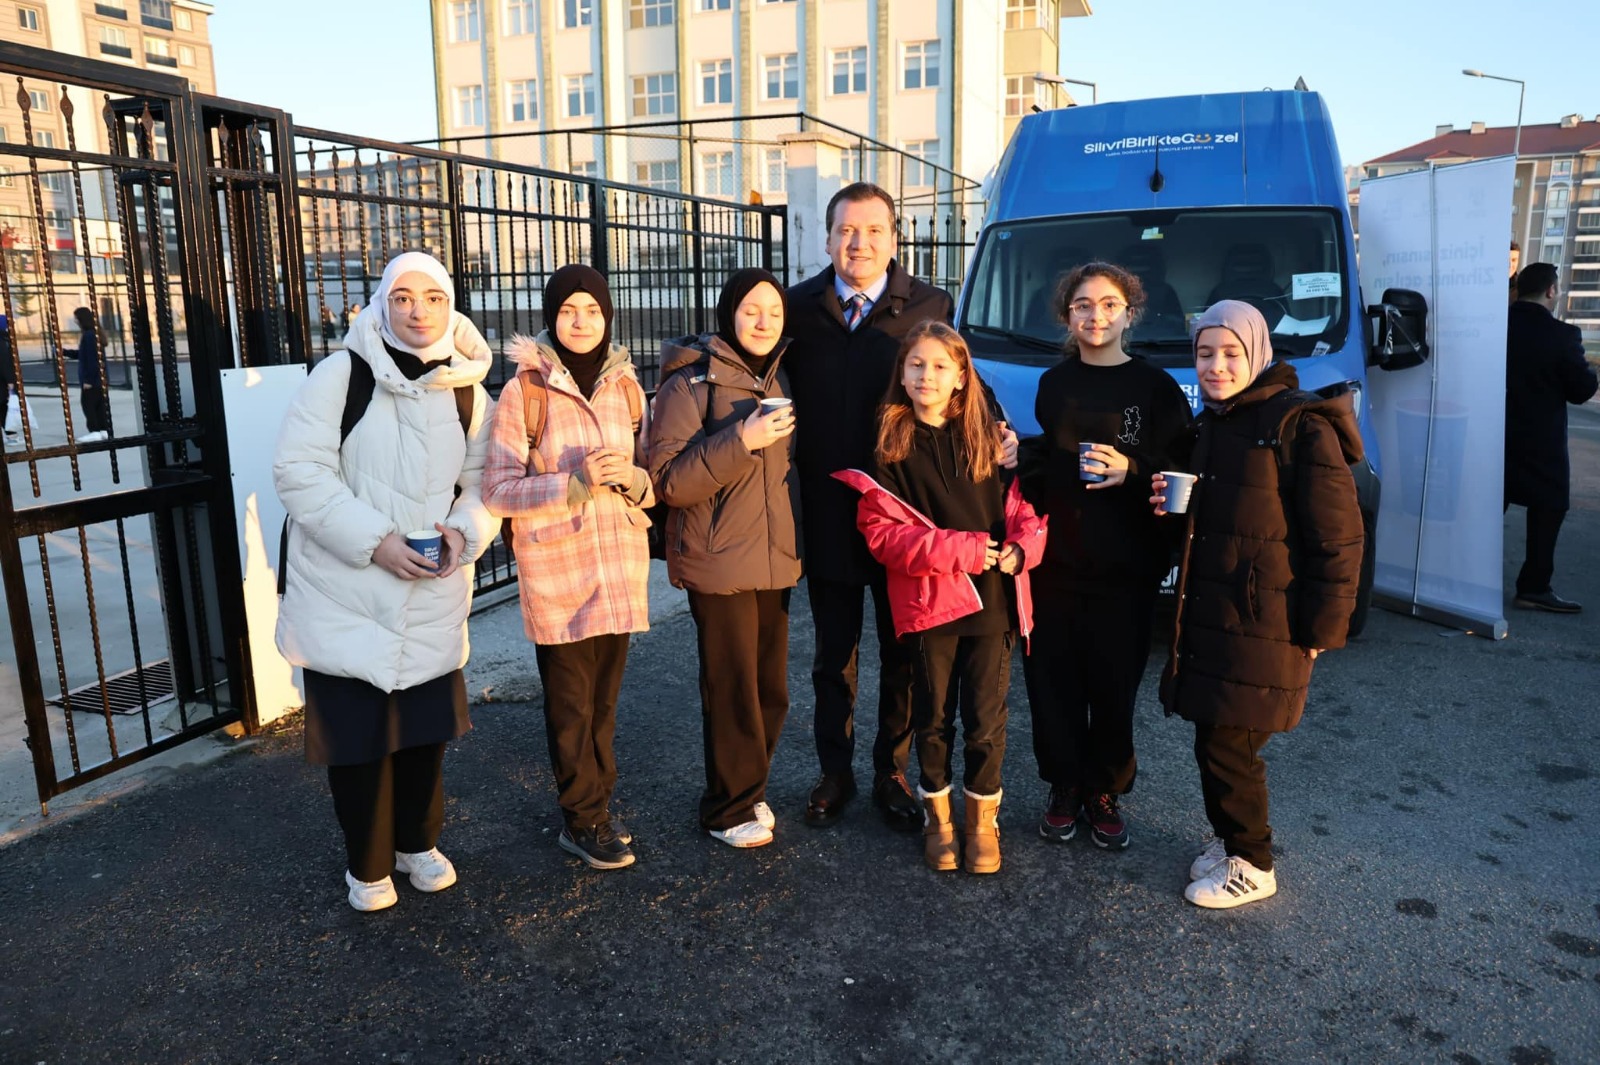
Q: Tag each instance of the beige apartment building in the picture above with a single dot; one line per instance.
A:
(945, 81)
(169, 36)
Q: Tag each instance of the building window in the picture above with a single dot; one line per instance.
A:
(776, 170)
(580, 191)
(575, 13)
(158, 51)
(57, 220)
(655, 94)
(182, 20)
(56, 182)
(1032, 14)
(156, 14)
(111, 8)
(850, 165)
(519, 17)
(1024, 93)
(6, 181)
(1561, 168)
(849, 66)
(777, 1)
(43, 138)
(522, 101)
(186, 55)
(782, 76)
(28, 18)
(39, 100)
(920, 170)
(716, 82)
(714, 5)
(920, 69)
(1558, 199)
(642, 13)
(114, 41)
(579, 90)
(659, 175)
(465, 21)
(716, 174)
(469, 105)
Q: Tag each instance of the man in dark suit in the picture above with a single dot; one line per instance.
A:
(847, 323)
(1545, 370)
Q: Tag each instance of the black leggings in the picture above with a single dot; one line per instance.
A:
(393, 804)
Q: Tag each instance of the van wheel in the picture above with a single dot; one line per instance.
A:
(1369, 565)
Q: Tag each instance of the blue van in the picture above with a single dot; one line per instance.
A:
(1229, 196)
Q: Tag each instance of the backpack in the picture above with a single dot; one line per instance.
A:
(357, 398)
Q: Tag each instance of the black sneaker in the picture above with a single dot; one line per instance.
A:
(1060, 820)
(1106, 826)
(599, 846)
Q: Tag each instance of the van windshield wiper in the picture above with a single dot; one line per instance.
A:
(1036, 343)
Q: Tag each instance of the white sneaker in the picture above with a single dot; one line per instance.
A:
(429, 870)
(92, 438)
(749, 834)
(378, 895)
(1232, 882)
(1216, 851)
(765, 816)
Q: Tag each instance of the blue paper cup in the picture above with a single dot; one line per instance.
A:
(1084, 474)
(428, 543)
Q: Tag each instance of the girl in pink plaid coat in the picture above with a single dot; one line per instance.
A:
(573, 484)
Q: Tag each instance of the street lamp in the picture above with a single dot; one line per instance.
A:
(1522, 91)
(1057, 80)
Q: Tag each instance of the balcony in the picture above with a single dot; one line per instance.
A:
(160, 60)
(121, 51)
(1589, 220)
(111, 11)
(156, 22)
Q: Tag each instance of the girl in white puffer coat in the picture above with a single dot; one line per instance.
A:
(380, 634)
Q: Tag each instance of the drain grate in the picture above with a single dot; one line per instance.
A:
(121, 691)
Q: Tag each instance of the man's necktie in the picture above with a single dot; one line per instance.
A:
(855, 308)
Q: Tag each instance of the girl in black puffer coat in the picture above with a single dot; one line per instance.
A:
(1269, 568)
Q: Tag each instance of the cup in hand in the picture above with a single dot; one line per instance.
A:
(1180, 486)
(1084, 474)
(775, 403)
(428, 543)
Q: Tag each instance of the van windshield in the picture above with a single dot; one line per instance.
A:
(1288, 263)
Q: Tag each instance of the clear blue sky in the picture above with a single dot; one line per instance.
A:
(1390, 69)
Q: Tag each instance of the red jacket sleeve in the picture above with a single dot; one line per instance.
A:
(915, 549)
(1024, 526)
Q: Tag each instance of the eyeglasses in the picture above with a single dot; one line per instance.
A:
(433, 303)
(1086, 308)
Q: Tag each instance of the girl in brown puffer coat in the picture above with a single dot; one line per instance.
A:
(721, 457)
(1269, 567)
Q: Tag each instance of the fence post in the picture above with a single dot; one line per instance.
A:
(697, 259)
(458, 236)
(599, 220)
(815, 159)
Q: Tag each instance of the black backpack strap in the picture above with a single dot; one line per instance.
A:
(464, 404)
(357, 397)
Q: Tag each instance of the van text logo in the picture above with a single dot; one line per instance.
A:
(1176, 141)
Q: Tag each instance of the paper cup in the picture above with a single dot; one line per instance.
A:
(428, 543)
(1083, 474)
(1180, 486)
(775, 403)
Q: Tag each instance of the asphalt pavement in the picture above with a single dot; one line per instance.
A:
(1439, 891)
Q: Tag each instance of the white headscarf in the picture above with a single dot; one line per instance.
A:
(418, 262)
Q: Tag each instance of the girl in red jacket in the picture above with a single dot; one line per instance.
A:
(957, 543)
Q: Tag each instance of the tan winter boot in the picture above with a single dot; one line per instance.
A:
(983, 832)
(938, 833)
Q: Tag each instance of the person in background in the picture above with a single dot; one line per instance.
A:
(847, 323)
(330, 327)
(380, 633)
(957, 543)
(1545, 370)
(1267, 580)
(566, 465)
(721, 456)
(10, 402)
(1516, 260)
(1106, 553)
(91, 380)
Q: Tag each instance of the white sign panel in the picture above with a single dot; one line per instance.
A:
(1441, 426)
(254, 401)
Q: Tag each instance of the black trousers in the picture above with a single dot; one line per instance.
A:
(836, 614)
(581, 683)
(1233, 781)
(96, 412)
(744, 697)
(969, 675)
(1539, 561)
(393, 804)
(1083, 671)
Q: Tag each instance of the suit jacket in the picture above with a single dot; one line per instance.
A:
(837, 378)
(1545, 370)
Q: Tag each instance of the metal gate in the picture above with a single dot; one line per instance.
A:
(203, 235)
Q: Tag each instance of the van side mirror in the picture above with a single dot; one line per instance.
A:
(1399, 330)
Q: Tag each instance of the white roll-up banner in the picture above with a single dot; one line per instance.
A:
(1445, 233)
